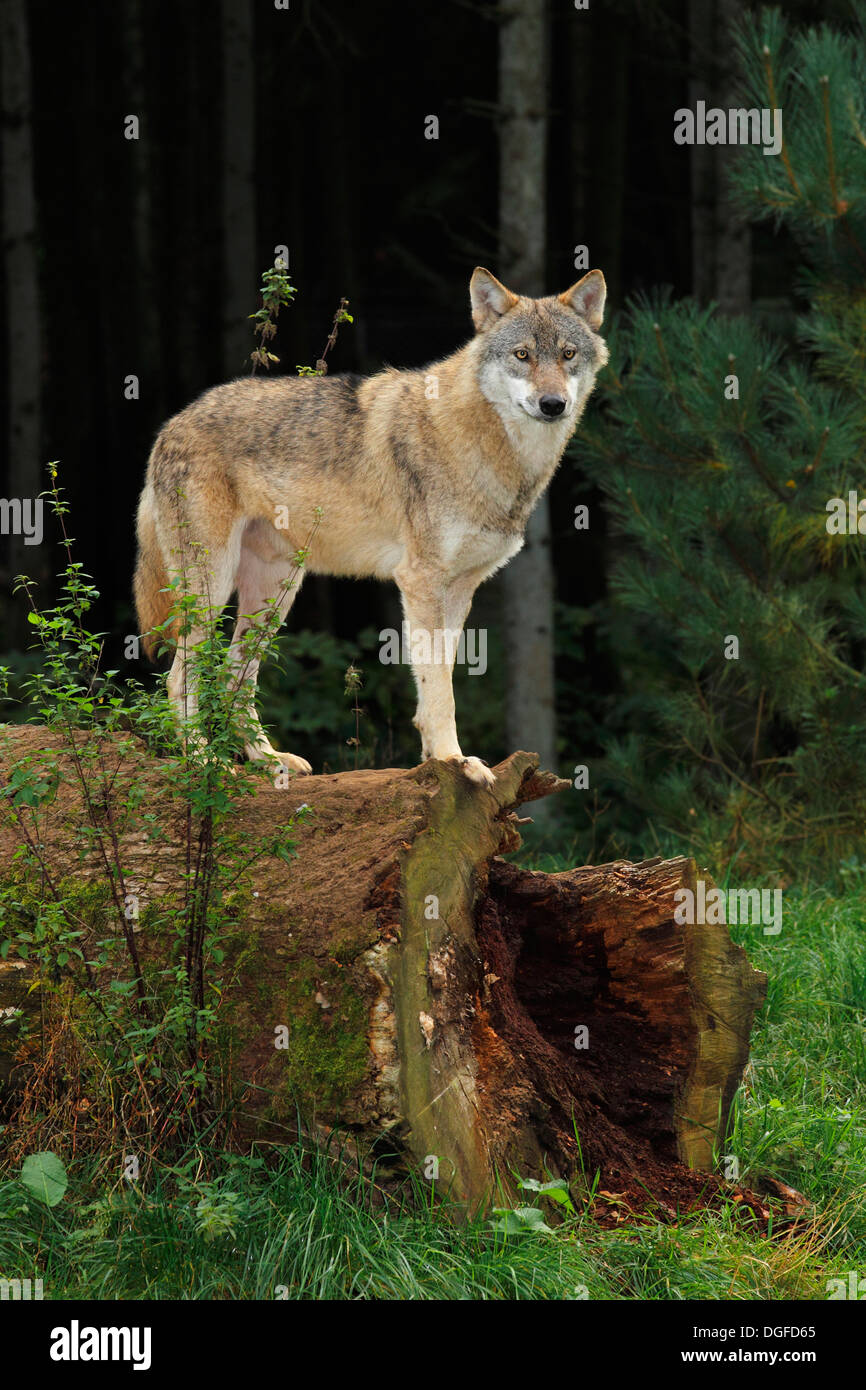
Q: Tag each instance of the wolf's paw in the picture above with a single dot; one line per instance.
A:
(277, 762)
(294, 764)
(477, 771)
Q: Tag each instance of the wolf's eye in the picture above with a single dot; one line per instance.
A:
(521, 353)
(568, 353)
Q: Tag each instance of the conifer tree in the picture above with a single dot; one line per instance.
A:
(734, 466)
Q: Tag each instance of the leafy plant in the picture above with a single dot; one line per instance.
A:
(520, 1221)
(133, 1035)
(277, 293)
(44, 1176)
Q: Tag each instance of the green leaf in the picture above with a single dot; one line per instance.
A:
(45, 1178)
(557, 1188)
(522, 1221)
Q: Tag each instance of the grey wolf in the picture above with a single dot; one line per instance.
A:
(427, 477)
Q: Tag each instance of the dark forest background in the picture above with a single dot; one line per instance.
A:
(305, 126)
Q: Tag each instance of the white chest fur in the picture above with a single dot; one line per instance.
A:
(463, 547)
(537, 444)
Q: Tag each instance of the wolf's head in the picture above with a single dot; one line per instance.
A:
(538, 357)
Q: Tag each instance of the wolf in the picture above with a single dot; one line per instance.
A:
(426, 476)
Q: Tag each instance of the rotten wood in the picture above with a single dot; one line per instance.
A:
(441, 1001)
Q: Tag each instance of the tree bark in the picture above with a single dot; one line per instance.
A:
(527, 582)
(136, 80)
(240, 275)
(702, 158)
(611, 93)
(733, 288)
(721, 239)
(442, 1005)
(25, 478)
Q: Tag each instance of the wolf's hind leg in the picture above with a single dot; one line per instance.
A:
(208, 575)
(262, 585)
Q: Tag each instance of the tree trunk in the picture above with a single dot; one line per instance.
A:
(240, 275)
(25, 477)
(527, 582)
(611, 93)
(446, 1007)
(187, 281)
(733, 288)
(136, 79)
(721, 239)
(578, 134)
(702, 158)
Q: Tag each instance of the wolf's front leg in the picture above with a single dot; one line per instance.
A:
(428, 605)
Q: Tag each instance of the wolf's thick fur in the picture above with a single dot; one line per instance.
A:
(426, 477)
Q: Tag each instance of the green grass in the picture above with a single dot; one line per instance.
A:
(291, 1222)
(800, 1115)
(298, 1227)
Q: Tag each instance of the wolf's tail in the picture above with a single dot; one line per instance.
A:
(152, 603)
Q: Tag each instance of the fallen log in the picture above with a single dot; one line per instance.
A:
(468, 1018)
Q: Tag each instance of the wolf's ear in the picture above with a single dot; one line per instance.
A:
(489, 299)
(587, 298)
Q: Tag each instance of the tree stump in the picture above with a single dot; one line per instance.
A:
(438, 1001)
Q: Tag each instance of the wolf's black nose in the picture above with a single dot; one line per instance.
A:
(551, 406)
